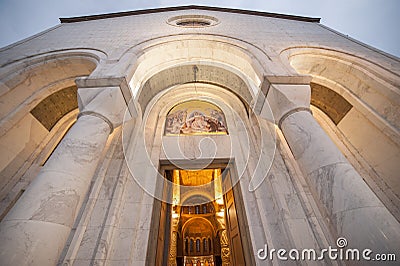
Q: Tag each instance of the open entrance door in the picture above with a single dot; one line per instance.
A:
(201, 226)
(232, 225)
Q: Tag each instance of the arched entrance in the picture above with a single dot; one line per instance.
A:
(172, 144)
(201, 226)
(200, 217)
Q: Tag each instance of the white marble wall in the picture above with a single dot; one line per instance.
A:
(37, 227)
(117, 227)
(17, 145)
(116, 222)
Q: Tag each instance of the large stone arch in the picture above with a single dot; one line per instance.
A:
(196, 74)
(154, 117)
(367, 99)
(162, 76)
(39, 104)
(375, 87)
(150, 128)
(24, 84)
(161, 53)
(240, 60)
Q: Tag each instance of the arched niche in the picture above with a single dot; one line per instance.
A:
(38, 93)
(362, 99)
(197, 222)
(25, 84)
(154, 140)
(367, 86)
(193, 241)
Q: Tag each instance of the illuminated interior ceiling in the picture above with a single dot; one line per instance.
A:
(196, 177)
(196, 187)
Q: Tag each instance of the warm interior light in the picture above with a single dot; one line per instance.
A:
(220, 201)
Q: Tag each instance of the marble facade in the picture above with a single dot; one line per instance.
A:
(88, 188)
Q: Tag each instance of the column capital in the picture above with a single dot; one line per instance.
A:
(284, 99)
(107, 98)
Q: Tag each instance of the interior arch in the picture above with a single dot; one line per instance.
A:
(195, 221)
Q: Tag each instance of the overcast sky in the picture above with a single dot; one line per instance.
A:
(374, 22)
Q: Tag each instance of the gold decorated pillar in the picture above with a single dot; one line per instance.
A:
(173, 248)
(225, 251)
(174, 218)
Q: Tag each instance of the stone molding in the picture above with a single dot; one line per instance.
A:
(271, 81)
(281, 100)
(107, 98)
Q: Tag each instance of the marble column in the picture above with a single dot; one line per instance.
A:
(352, 209)
(36, 229)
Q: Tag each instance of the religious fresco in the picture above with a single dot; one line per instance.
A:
(195, 117)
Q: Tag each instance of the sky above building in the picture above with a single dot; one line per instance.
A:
(374, 22)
